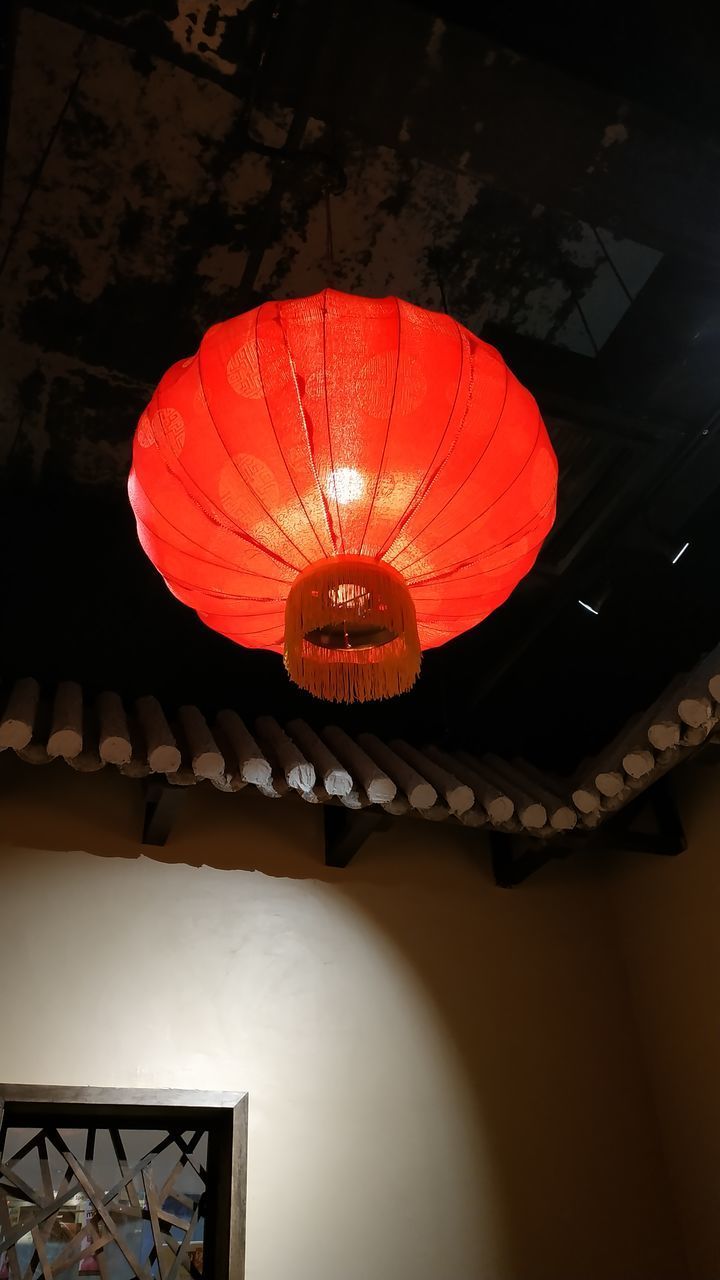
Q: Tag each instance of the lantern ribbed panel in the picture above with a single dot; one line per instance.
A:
(338, 425)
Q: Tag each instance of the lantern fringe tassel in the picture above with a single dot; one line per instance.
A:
(350, 630)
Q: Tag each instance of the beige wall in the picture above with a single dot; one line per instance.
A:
(444, 1078)
(668, 914)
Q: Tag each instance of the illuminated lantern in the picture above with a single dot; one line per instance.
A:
(345, 481)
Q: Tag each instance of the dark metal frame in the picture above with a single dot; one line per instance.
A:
(223, 1115)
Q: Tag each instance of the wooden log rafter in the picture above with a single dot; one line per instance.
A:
(330, 767)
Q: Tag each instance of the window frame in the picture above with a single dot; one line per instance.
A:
(224, 1115)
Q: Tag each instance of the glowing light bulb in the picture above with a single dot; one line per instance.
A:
(346, 485)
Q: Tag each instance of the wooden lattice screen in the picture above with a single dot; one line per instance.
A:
(121, 1184)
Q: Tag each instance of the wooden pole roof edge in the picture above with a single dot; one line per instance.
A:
(332, 768)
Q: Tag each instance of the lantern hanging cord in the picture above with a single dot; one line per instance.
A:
(251, 98)
(335, 175)
(329, 245)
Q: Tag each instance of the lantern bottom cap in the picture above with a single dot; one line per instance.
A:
(350, 630)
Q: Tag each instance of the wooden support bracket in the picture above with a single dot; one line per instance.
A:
(515, 857)
(667, 837)
(162, 803)
(347, 829)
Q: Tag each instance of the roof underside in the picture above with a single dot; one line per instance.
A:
(167, 170)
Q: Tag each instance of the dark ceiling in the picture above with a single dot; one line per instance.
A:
(558, 192)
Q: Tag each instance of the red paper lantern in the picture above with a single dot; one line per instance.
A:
(345, 481)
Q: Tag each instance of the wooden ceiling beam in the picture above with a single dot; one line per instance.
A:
(363, 775)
